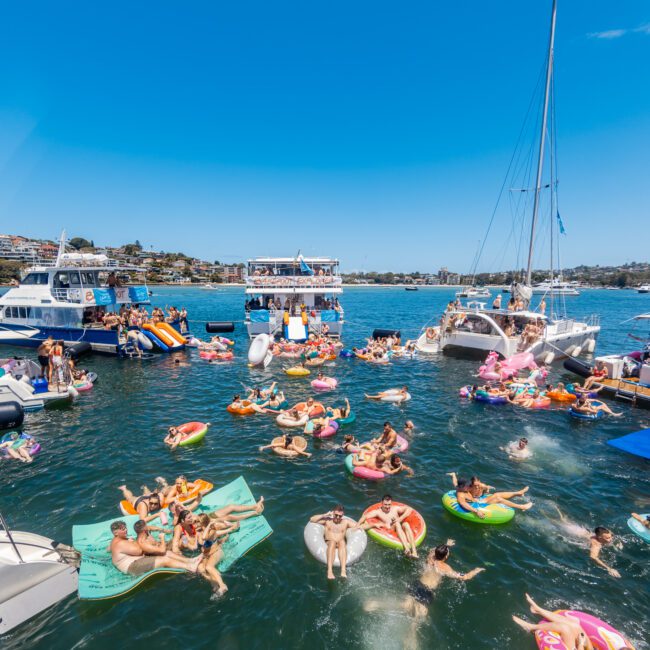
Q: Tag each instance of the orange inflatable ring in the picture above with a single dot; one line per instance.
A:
(245, 409)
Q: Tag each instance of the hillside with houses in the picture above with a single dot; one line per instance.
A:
(17, 253)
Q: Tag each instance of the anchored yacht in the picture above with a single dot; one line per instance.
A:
(68, 300)
(293, 297)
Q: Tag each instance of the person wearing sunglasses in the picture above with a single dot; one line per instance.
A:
(336, 526)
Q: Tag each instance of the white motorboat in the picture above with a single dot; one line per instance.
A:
(35, 573)
(556, 287)
(209, 287)
(19, 382)
(476, 329)
(474, 292)
(67, 301)
(294, 297)
(644, 288)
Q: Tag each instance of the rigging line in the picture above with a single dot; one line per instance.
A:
(507, 175)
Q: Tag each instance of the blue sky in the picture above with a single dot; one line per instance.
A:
(373, 131)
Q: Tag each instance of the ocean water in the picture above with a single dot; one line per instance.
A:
(279, 596)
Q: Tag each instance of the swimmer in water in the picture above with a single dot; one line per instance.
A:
(399, 395)
(517, 450)
(422, 591)
(601, 537)
(568, 627)
(409, 428)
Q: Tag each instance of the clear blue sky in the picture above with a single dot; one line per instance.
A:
(378, 132)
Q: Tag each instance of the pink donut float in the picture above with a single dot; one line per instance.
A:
(208, 354)
(327, 383)
(601, 635)
(328, 431)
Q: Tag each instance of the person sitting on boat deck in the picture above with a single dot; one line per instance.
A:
(642, 519)
(387, 439)
(567, 627)
(146, 505)
(401, 395)
(18, 448)
(394, 518)
(394, 465)
(589, 407)
(288, 444)
(517, 450)
(339, 412)
(602, 537)
(496, 304)
(511, 304)
(467, 496)
(598, 373)
(519, 304)
(336, 526)
(43, 352)
(128, 557)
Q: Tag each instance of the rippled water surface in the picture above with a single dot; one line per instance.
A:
(279, 597)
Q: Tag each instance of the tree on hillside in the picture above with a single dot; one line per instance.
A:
(79, 242)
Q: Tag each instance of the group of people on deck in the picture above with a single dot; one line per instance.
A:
(190, 533)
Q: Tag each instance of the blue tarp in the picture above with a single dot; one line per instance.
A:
(259, 315)
(329, 316)
(139, 294)
(104, 296)
(637, 443)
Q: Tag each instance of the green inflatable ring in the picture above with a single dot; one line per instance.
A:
(351, 417)
(495, 512)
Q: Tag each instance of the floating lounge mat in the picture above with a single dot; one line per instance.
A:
(99, 579)
(637, 443)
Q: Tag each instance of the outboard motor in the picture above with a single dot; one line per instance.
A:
(12, 415)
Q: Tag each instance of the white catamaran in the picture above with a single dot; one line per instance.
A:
(475, 328)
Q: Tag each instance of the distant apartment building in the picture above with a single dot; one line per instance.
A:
(443, 275)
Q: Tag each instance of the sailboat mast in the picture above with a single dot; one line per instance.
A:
(540, 159)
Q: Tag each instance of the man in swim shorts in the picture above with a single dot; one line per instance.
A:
(128, 557)
(387, 439)
(336, 526)
(394, 518)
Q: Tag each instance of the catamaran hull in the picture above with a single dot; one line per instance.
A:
(553, 348)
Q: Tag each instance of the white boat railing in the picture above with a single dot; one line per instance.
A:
(287, 281)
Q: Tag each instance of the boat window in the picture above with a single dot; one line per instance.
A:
(35, 278)
(88, 278)
(23, 312)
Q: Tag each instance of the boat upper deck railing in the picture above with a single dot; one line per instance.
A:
(305, 281)
(92, 296)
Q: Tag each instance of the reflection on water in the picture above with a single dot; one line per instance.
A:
(279, 597)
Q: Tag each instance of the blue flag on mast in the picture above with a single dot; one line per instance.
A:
(304, 267)
(560, 224)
